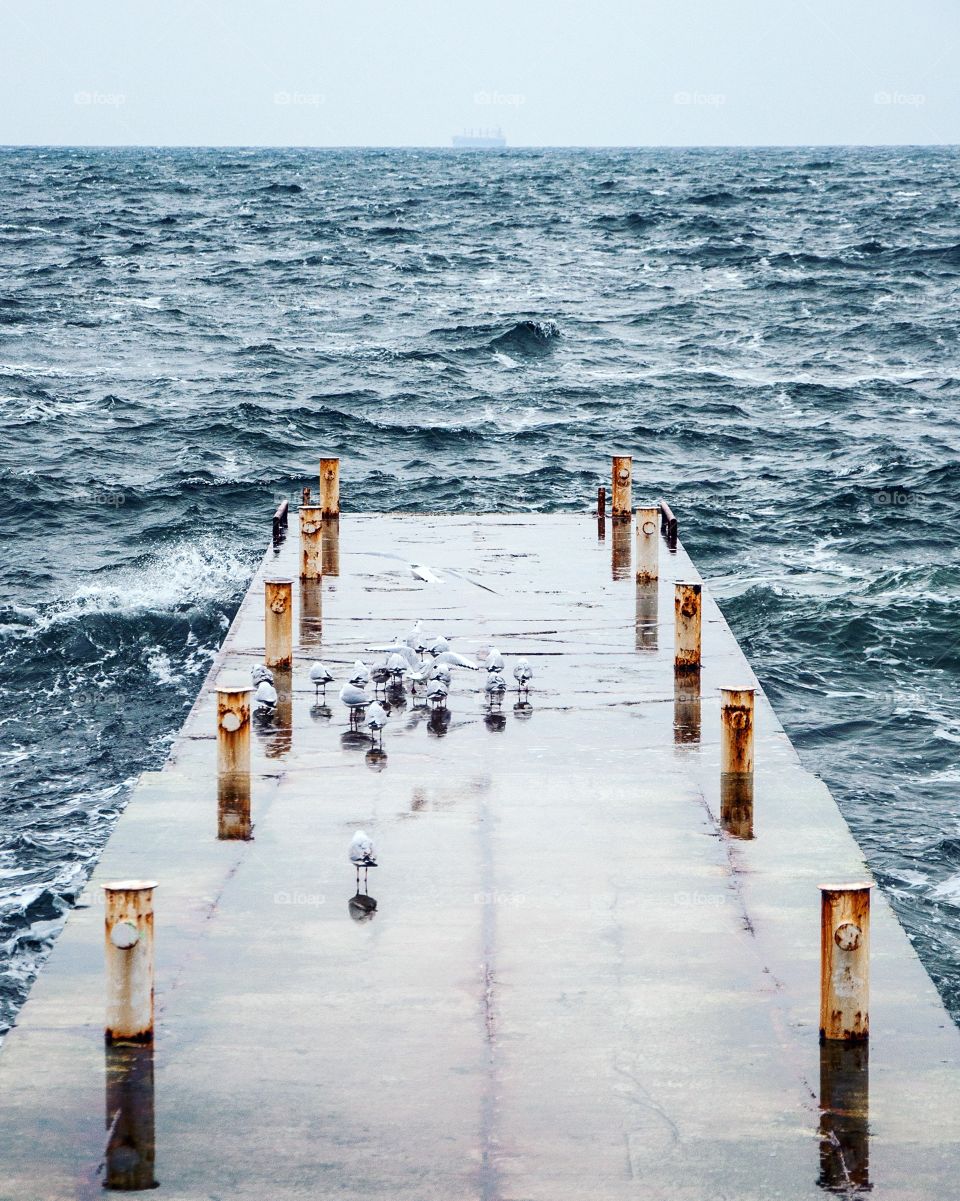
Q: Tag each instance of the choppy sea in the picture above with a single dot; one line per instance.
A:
(774, 333)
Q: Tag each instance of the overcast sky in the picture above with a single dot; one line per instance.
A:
(414, 72)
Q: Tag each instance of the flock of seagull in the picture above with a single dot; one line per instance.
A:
(427, 664)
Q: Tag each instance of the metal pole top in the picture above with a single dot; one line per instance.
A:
(129, 885)
(861, 884)
(278, 579)
(233, 682)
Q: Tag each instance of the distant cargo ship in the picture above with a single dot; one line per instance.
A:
(480, 139)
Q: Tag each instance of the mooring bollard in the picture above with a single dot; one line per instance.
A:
(330, 487)
(128, 938)
(845, 961)
(736, 761)
(622, 475)
(686, 608)
(233, 757)
(648, 543)
(311, 542)
(233, 726)
(131, 1142)
(278, 622)
(736, 731)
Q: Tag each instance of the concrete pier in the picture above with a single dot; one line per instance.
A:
(575, 983)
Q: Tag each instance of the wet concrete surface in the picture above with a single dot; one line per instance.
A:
(573, 984)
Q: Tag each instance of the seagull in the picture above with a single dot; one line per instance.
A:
(356, 701)
(259, 673)
(362, 855)
(361, 674)
(437, 694)
(494, 660)
(414, 638)
(440, 672)
(381, 675)
(266, 694)
(495, 687)
(320, 677)
(452, 659)
(397, 665)
(377, 718)
(437, 646)
(523, 674)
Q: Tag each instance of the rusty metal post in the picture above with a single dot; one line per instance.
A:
(736, 731)
(648, 543)
(278, 622)
(601, 502)
(686, 607)
(311, 542)
(128, 939)
(330, 487)
(621, 496)
(845, 961)
(233, 726)
(736, 761)
(131, 1141)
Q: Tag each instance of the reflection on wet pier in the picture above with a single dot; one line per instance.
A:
(130, 1151)
(648, 602)
(686, 707)
(736, 803)
(844, 1117)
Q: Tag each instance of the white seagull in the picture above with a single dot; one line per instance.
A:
(523, 674)
(495, 687)
(493, 660)
(266, 695)
(320, 677)
(362, 855)
(361, 674)
(437, 694)
(356, 701)
(377, 718)
(259, 673)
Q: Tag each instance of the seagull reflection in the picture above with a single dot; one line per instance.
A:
(495, 721)
(523, 710)
(376, 758)
(439, 722)
(361, 907)
(321, 712)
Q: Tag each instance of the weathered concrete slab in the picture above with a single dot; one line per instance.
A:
(574, 984)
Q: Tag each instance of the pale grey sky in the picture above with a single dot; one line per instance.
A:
(414, 72)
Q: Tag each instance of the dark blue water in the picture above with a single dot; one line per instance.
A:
(773, 333)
